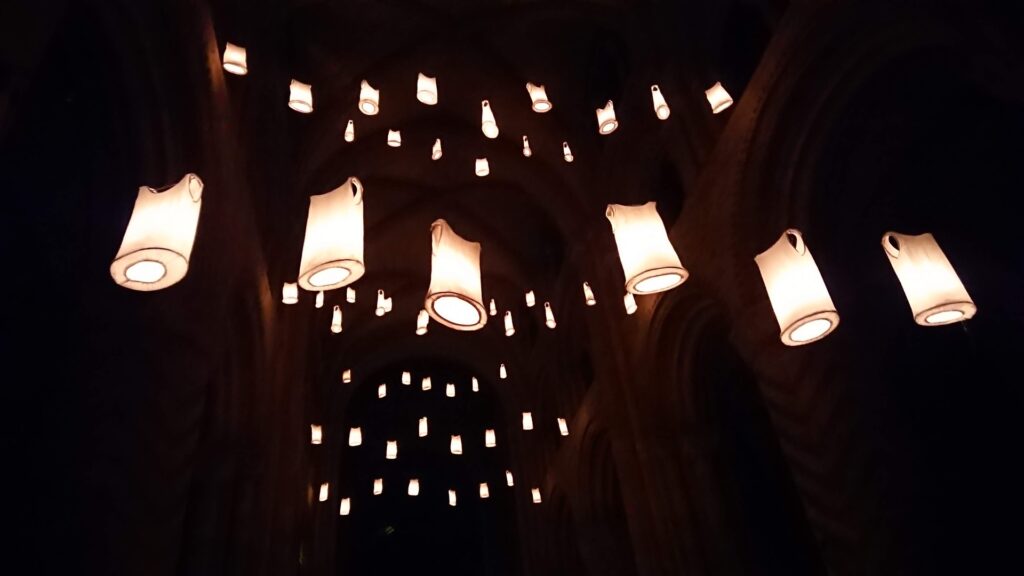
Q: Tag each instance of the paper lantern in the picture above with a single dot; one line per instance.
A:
(510, 329)
(456, 444)
(234, 60)
(588, 294)
(797, 292)
(406, 378)
(414, 487)
(527, 421)
(324, 489)
(391, 453)
(157, 244)
(346, 376)
(425, 384)
(426, 89)
(452, 499)
(484, 491)
(502, 373)
(332, 253)
(454, 298)
(336, 320)
(388, 304)
(535, 492)
(350, 131)
(369, 99)
(378, 486)
(290, 293)
(382, 391)
(423, 427)
(563, 427)
(531, 299)
(316, 434)
(345, 508)
(649, 261)
(606, 122)
(932, 287)
(300, 97)
(566, 152)
(489, 440)
(718, 98)
(508, 478)
(483, 168)
(319, 299)
(350, 295)
(549, 316)
(493, 308)
(526, 147)
(538, 97)
(381, 308)
(355, 436)
(487, 122)
(476, 385)
(661, 108)
(436, 152)
(394, 138)
(449, 390)
(629, 302)
(422, 319)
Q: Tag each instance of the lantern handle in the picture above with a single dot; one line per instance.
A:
(796, 240)
(195, 187)
(436, 232)
(357, 189)
(891, 244)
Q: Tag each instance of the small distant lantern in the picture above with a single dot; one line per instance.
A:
(394, 138)
(422, 319)
(388, 305)
(449, 390)
(391, 452)
(378, 486)
(290, 293)
(425, 383)
(588, 294)
(355, 436)
(489, 440)
(629, 302)
(563, 427)
(381, 308)
(452, 498)
(350, 295)
(649, 261)
(350, 131)
(531, 299)
(502, 373)
(345, 508)
(549, 316)
(234, 60)
(382, 391)
(346, 376)
(487, 123)
(484, 491)
(661, 108)
(527, 151)
(423, 427)
(527, 421)
(456, 444)
(539, 97)
(406, 378)
(426, 89)
(157, 244)
(454, 297)
(606, 122)
(566, 152)
(300, 97)
(436, 152)
(718, 98)
(324, 489)
(319, 299)
(483, 168)
(535, 492)
(798, 295)
(476, 385)
(508, 479)
(316, 434)
(933, 289)
(414, 487)
(332, 252)
(369, 99)
(510, 329)
(336, 320)
(493, 308)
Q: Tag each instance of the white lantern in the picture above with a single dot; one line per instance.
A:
(320, 299)
(157, 244)
(350, 295)
(718, 98)
(336, 320)
(290, 293)
(394, 138)
(378, 486)
(487, 122)
(527, 421)
(629, 302)
(454, 298)
(382, 391)
(391, 452)
(423, 427)
(476, 385)
(798, 295)
(508, 478)
(493, 308)
(300, 97)
(566, 152)
(316, 434)
(535, 492)
(933, 289)
(483, 168)
(436, 152)
(324, 488)
(661, 108)
(649, 261)
(484, 491)
(588, 294)
(382, 305)
(489, 440)
(606, 122)
(426, 89)
(539, 97)
(346, 375)
(422, 319)
(355, 436)
(502, 373)
(425, 384)
(414, 487)
(332, 253)
(452, 498)
(345, 508)
(456, 444)
(350, 131)
(563, 427)
(531, 299)
(510, 329)
(526, 147)
(234, 60)
(406, 378)
(549, 316)
(369, 99)
(449, 390)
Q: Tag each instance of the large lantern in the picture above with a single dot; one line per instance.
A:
(538, 97)
(933, 289)
(332, 254)
(454, 297)
(649, 261)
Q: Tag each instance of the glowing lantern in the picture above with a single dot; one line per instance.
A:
(350, 295)
(563, 427)
(566, 152)
(422, 319)
(510, 329)
(316, 434)
(394, 138)
(629, 302)
(378, 486)
(606, 122)
(290, 293)
(332, 253)
(426, 89)
(426, 383)
(355, 436)
(350, 131)
(319, 299)
(483, 168)
(502, 373)
(539, 97)
(476, 385)
(336, 320)
(487, 123)
(449, 390)
(493, 308)
(345, 508)
(436, 152)
(718, 98)
(323, 492)
(484, 491)
(406, 378)
(531, 299)
(508, 478)
(382, 391)
(234, 60)
(381, 304)
(549, 316)
(157, 244)
(369, 99)
(454, 297)
(798, 295)
(489, 439)
(933, 289)
(535, 492)
(452, 499)
(391, 453)
(346, 376)
(423, 427)
(648, 259)
(414, 487)
(456, 444)
(588, 294)
(300, 97)
(527, 421)
(526, 147)
(661, 108)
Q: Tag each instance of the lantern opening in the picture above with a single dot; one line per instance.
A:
(145, 271)
(369, 99)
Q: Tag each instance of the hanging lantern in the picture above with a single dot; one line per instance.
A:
(454, 298)
(452, 499)
(661, 108)
(476, 385)
(234, 60)
(157, 244)
(932, 287)
(345, 508)
(527, 421)
(350, 295)
(526, 147)
(332, 253)
(350, 131)
(316, 434)
(487, 123)
(394, 138)
(300, 97)
(336, 320)
(346, 376)
(426, 89)
(426, 383)
(509, 328)
(319, 299)
(539, 97)
(493, 308)
(290, 293)
(508, 478)
(436, 152)
(549, 316)
(406, 378)
(535, 492)
(391, 453)
(456, 445)
(563, 427)
(378, 486)
(423, 427)
(630, 302)
(414, 487)
(606, 122)
(382, 391)
(355, 436)
(323, 492)
(489, 439)
(588, 294)
(422, 319)
(380, 310)
(483, 168)
(369, 99)
(484, 491)
(449, 390)
(531, 299)
(718, 98)
(649, 261)
(798, 295)
(502, 373)
(566, 152)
